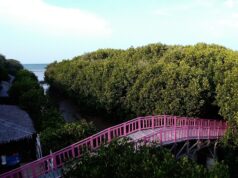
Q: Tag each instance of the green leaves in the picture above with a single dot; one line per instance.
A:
(153, 79)
(199, 81)
(60, 136)
(120, 159)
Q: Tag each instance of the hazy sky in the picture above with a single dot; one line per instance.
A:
(41, 31)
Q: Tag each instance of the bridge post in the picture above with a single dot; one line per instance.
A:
(33, 171)
(160, 135)
(109, 134)
(220, 127)
(91, 143)
(187, 127)
(124, 129)
(53, 161)
(164, 120)
(217, 128)
(198, 126)
(72, 150)
(153, 122)
(139, 123)
(209, 129)
(175, 125)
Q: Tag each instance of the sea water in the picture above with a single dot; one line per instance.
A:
(38, 70)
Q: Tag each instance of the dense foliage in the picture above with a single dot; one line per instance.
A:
(199, 80)
(54, 132)
(229, 154)
(56, 138)
(29, 95)
(120, 159)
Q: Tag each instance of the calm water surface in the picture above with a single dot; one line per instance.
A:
(38, 70)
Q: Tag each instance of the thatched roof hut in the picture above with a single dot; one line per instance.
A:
(15, 125)
(17, 136)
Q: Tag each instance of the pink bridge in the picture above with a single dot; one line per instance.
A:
(162, 129)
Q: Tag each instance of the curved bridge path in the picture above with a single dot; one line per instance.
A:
(162, 129)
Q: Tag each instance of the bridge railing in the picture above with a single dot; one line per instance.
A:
(182, 128)
(187, 129)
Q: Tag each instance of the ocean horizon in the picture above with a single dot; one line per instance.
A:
(37, 69)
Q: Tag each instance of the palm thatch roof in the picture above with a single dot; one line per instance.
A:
(15, 124)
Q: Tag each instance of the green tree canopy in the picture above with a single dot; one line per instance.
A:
(119, 159)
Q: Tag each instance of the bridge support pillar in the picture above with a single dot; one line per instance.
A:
(173, 147)
(185, 146)
(214, 154)
(215, 149)
(191, 150)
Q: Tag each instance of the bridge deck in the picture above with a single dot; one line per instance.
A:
(163, 129)
(143, 133)
(167, 135)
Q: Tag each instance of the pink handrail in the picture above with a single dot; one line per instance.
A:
(173, 129)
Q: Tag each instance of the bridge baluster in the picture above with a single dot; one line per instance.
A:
(139, 123)
(109, 134)
(72, 150)
(175, 125)
(198, 132)
(161, 141)
(187, 127)
(153, 122)
(124, 129)
(208, 129)
(91, 143)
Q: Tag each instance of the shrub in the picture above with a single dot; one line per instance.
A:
(120, 159)
(66, 134)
